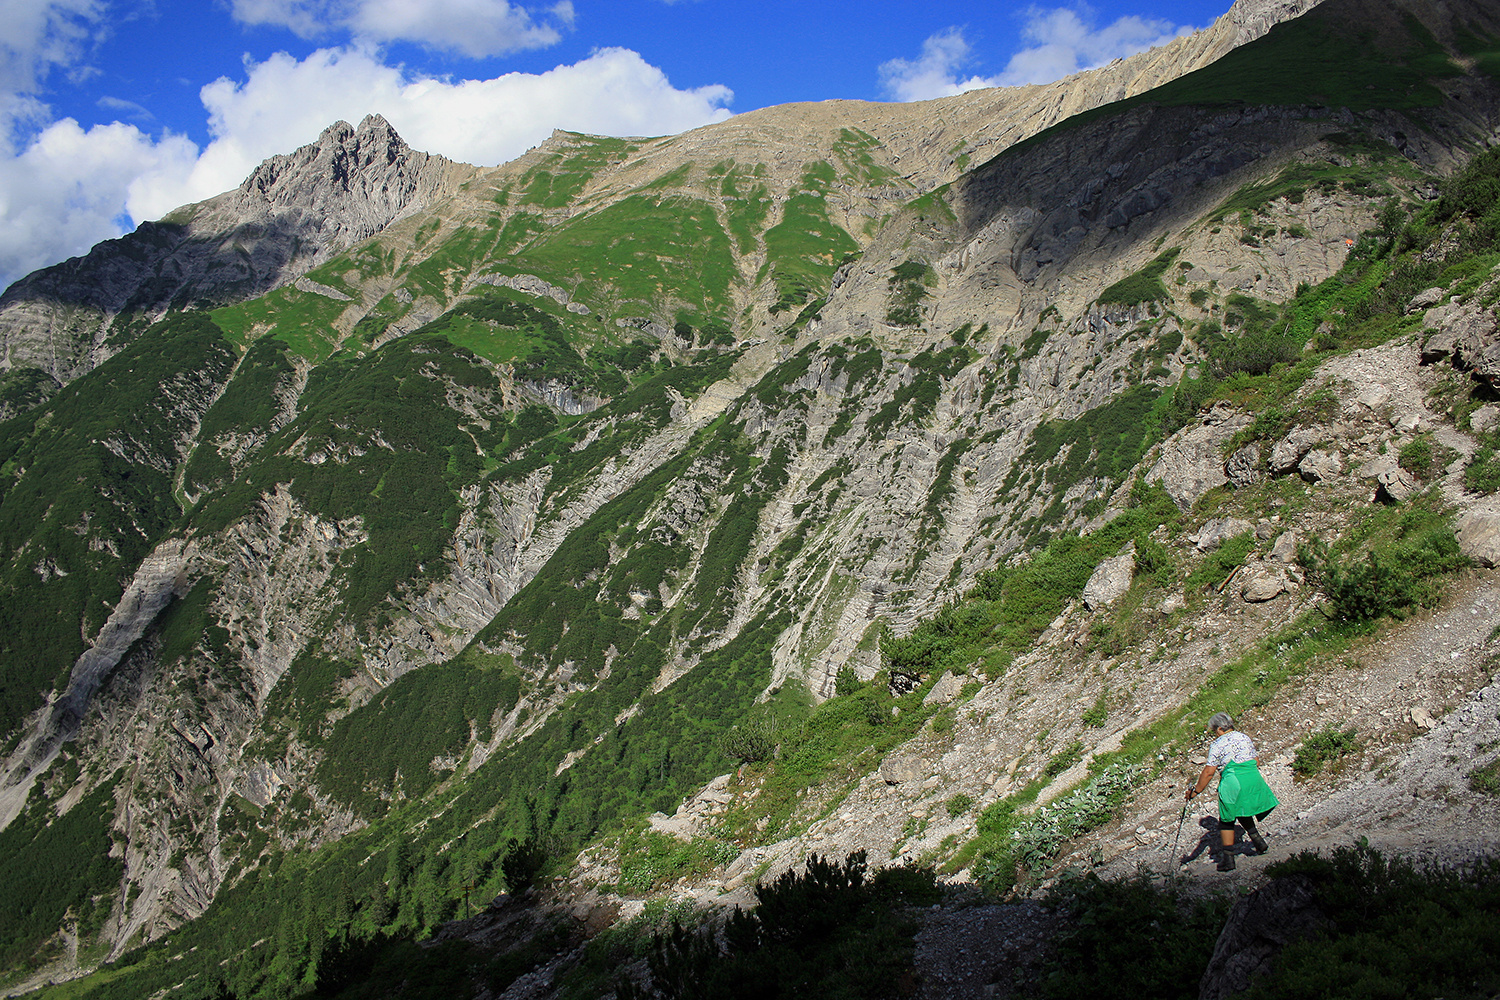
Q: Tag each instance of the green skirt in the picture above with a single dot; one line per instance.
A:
(1243, 792)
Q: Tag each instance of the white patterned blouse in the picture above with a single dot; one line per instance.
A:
(1234, 747)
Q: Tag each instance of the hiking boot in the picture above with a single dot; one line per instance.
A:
(1261, 847)
(1226, 862)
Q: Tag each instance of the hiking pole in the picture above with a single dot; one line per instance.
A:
(1178, 838)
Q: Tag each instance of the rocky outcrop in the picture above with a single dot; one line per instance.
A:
(292, 213)
(1321, 465)
(945, 690)
(1464, 333)
(1192, 460)
(1479, 537)
(1288, 453)
(1280, 913)
(1396, 485)
(1262, 581)
(162, 575)
(1216, 531)
(1110, 580)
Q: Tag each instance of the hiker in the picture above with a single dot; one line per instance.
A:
(1243, 793)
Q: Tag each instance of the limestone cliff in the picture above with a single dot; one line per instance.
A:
(292, 213)
(537, 480)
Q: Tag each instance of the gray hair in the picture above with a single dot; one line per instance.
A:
(1221, 721)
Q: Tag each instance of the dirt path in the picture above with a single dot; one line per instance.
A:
(1406, 792)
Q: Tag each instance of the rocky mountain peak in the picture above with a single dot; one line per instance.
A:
(1249, 19)
(338, 160)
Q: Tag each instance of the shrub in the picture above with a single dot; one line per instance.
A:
(846, 682)
(1424, 458)
(1321, 748)
(523, 862)
(1482, 475)
(1388, 579)
(1144, 285)
(959, 804)
(753, 739)
(1130, 938)
(649, 860)
(1487, 778)
(1028, 844)
(828, 932)
(1255, 353)
(1096, 715)
(1063, 759)
(1396, 930)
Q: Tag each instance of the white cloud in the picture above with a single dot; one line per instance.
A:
(934, 73)
(1061, 41)
(475, 28)
(37, 36)
(70, 188)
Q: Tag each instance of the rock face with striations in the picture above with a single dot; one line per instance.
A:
(344, 188)
(291, 214)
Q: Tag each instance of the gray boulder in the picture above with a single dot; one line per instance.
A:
(1262, 583)
(945, 690)
(1218, 531)
(1289, 451)
(1191, 461)
(1396, 485)
(1320, 465)
(1110, 580)
(1279, 913)
(1461, 333)
(1425, 299)
(1479, 537)
(899, 770)
(1243, 468)
(1284, 550)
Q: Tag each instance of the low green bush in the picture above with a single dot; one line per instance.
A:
(959, 804)
(1424, 457)
(1482, 474)
(1096, 714)
(829, 931)
(1487, 778)
(1130, 937)
(1386, 579)
(752, 739)
(1397, 929)
(649, 860)
(1011, 844)
(1322, 748)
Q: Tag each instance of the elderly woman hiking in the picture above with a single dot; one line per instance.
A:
(1243, 793)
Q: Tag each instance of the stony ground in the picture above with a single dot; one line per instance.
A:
(1407, 793)
(1422, 695)
(1419, 693)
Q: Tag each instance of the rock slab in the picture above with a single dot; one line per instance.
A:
(1110, 580)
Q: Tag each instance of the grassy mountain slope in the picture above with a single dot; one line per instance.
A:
(499, 528)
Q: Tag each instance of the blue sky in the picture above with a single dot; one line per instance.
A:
(116, 111)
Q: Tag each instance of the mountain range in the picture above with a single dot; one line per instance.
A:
(644, 515)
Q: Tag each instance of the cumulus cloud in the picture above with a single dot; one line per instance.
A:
(1060, 41)
(475, 28)
(37, 36)
(69, 188)
(934, 73)
(107, 178)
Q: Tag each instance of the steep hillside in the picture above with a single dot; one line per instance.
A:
(291, 214)
(800, 443)
(297, 211)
